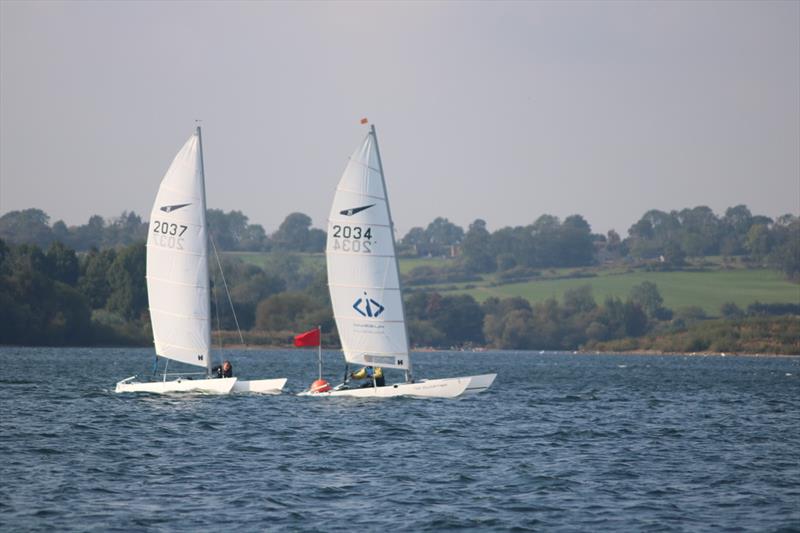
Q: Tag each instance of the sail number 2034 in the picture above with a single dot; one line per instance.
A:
(351, 238)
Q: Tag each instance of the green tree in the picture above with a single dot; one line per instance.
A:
(517, 330)
(90, 235)
(460, 318)
(652, 232)
(579, 300)
(785, 253)
(294, 234)
(126, 278)
(758, 242)
(731, 311)
(547, 325)
(416, 306)
(735, 225)
(227, 229)
(700, 230)
(248, 286)
(647, 296)
(61, 232)
(540, 244)
(424, 333)
(417, 240)
(442, 233)
(613, 241)
(476, 248)
(62, 264)
(125, 230)
(576, 247)
(674, 255)
(94, 279)
(34, 308)
(68, 316)
(286, 311)
(611, 317)
(508, 323)
(31, 226)
(635, 319)
(296, 273)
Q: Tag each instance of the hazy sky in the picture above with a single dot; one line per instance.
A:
(500, 111)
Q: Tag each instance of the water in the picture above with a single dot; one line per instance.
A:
(560, 443)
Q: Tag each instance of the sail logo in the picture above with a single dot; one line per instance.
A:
(367, 307)
(171, 208)
(355, 210)
(199, 357)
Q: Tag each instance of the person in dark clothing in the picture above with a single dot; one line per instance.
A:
(225, 370)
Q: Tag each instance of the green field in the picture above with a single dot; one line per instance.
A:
(262, 259)
(408, 264)
(708, 290)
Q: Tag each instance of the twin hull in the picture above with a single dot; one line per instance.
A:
(204, 386)
(429, 388)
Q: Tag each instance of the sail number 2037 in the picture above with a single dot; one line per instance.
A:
(351, 238)
(169, 229)
(168, 235)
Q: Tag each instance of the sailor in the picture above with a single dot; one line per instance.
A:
(225, 370)
(370, 372)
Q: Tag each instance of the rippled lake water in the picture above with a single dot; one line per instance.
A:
(561, 442)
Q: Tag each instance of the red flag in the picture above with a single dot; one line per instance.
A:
(364, 120)
(309, 338)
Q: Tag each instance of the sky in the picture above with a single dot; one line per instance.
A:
(502, 111)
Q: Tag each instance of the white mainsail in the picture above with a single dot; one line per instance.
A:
(362, 268)
(177, 261)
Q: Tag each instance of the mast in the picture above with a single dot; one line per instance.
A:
(319, 350)
(205, 225)
(409, 373)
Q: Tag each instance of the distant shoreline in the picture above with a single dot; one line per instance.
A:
(249, 347)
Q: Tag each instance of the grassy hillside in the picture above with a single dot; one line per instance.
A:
(262, 259)
(408, 264)
(707, 289)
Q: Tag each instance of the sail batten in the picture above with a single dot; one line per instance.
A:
(364, 282)
(177, 261)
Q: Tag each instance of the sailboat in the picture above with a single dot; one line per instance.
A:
(178, 283)
(364, 284)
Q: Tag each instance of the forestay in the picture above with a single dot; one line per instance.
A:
(362, 268)
(177, 261)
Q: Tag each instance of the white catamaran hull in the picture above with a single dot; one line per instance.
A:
(205, 386)
(260, 386)
(429, 388)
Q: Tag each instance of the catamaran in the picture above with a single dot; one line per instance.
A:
(178, 284)
(364, 284)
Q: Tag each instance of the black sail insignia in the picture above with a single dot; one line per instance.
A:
(171, 208)
(354, 210)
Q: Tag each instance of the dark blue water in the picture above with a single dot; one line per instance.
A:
(560, 443)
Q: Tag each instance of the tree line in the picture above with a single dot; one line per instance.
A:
(58, 297)
(55, 290)
(668, 238)
(229, 231)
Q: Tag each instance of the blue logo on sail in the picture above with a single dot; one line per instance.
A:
(367, 307)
